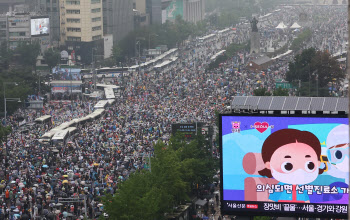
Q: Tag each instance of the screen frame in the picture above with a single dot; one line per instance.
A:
(40, 17)
(268, 213)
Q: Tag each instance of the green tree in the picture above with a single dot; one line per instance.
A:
(28, 53)
(4, 131)
(280, 92)
(174, 169)
(327, 68)
(302, 38)
(301, 67)
(5, 56)
(52, 57)
(117, 54)
(312, 67)
(261, 92)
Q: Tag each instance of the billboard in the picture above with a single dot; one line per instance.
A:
(284, 166)
(188, 130)
(174, 9)
(40, 26)
(66, 73)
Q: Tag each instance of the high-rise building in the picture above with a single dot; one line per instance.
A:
(6, 4)
(118, 18)
(81, 28)
(18, 26)
(189, 10)
(141, 17)
(154, 8)
(51, 9)
(194, 10)
(3, 28)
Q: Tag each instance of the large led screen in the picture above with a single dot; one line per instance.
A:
(40, 26)
(284, 166)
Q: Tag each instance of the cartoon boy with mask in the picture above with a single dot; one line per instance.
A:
(292, 157)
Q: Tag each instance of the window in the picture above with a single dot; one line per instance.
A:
(73, 2)
(73, 38)
(95, 10)
(96, 19)
(70, 29)
(73, 20)
(13, 24)
(73, 11)
(95, 1)
(2, 33)
(97, 37)
(70, 48)
(17, 34)
(96, 28)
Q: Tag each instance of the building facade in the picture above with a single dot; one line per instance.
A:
(81, 28)
(18, 29)
(141, 17)
(3, 28)
(194, 10)
(52, 10)
(5, 5)
(154, 9)
(118, 18)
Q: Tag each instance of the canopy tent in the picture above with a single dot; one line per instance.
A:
(281, 26)
(295, 26)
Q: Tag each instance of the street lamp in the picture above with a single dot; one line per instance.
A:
(4, 86)
(139, 62)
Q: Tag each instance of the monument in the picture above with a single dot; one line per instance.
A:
(254, 37)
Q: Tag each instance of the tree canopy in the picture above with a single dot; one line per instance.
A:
(261, 92)
(52, 57)
(314, 69)
(176, 168)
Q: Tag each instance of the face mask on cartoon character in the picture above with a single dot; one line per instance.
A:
(299, 176)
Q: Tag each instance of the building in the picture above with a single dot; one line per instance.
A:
(154, 9)
(118, 18)
(189, 10)
(5, 5)
(18, 28)
(194, 10)
(81, 29)
(50, 8)
(261, 63)
(141, 17)
(3, 28)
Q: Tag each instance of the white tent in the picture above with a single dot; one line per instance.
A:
(281, 26)
(295, 26)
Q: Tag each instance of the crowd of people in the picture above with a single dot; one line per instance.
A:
(59, 182)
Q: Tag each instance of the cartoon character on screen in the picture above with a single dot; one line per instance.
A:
(236, 127)
(292, 157)
(337, 160)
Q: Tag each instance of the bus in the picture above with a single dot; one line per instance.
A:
(60, 138)
(107, 72)
(43, 119)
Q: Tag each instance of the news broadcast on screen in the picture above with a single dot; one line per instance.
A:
(285, 166)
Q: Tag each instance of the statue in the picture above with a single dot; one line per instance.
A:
(254, 23)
